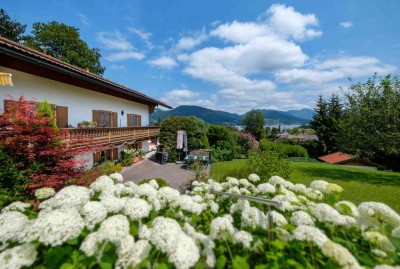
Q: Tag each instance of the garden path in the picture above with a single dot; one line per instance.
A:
(174, 174)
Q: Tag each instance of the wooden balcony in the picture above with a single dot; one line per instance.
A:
(108, 136)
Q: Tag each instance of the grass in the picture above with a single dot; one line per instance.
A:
(359, 185)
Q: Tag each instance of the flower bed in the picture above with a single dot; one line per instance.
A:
(124, 225)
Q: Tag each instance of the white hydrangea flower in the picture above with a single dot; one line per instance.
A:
(53, 228)
(11, 225)
(283, 234)
(385, 266)
(244, 182)
(220, 228)
(185, 202)
(380, 240)
(287, 202)
(167, 195)
(277, 218)
(325, 187)
(310, 234)
(119, 189)
(91, 245)
(117, 177)
(113, 204)
(144, 232)
(239, 206)
(164, 233)
(93, 212)
(185, 254)
(254, 178)
(18, 257)
(197, 199)
(243, 237)
(44, 193)
(313, 194)
(253, 217)
(244, 191)
(326, 213)
(396, 232)
(347, 208)
(301, 218)
(214, 207)
(234, 190)
(146, 190)
(275, 180)
(340, 254)
(68, 197)
(215, 186)
(154, 184)
(102, 183)
(209, 196)
(207, 242)
(131, 254)
(266, 188)
(136, 208)
(114, 228)
(16, 206)
(379, 253)
(299, 188)
(232, 181)
(371, 214)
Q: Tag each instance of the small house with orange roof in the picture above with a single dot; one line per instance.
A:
(341, 158)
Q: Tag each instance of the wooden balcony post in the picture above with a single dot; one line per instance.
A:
(109, 136)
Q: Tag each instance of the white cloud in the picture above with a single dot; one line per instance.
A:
(145, 36)
(125, 55)
(114, 40)
(118, 67)
(186, 97)
(163, 62)
(84, 18)
(346, 24)
(335, 69)
(189, 42)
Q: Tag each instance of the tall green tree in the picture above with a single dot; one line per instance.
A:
(320, 121)
(371, 125)
(10, 29)
(64, 42)
(254, 122)
(335, 115)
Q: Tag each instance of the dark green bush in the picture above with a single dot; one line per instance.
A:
(195, 128)
(223, 151)
(283, 149)
(314, 148)
(12, 180)
(108, 168)
(161, 182)
(269, 163)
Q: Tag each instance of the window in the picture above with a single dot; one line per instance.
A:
(105, 118)
(134, 120)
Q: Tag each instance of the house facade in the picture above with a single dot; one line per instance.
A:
(76, 95)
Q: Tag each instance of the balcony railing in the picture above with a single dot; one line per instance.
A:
(80, 137)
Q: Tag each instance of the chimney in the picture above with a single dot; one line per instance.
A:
(45, 51)
(87, 70)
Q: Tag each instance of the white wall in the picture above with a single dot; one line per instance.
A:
(80, 101)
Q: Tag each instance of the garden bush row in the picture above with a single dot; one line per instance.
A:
(124, 225)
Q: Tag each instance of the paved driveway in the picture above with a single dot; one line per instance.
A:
(176, 175)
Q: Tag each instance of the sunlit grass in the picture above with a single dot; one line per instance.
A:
(359, 185)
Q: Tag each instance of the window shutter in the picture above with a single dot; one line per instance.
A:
(129, 119)
(96, 117)
(139, 120)
(62, 116)
(114, 119)
(96, 157)
(115, 154)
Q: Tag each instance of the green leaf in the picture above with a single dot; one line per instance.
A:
(105, 265)
(240, 263)
(153, 214)
(73, 241)
(221, 261)
(160, 266)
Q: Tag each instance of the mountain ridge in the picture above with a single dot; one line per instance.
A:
(302, 116)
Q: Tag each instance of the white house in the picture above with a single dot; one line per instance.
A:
(76, 95)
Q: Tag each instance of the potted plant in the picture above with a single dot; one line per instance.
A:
(87, 124)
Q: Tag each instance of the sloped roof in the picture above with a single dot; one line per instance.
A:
(16, 50)
(336, 157)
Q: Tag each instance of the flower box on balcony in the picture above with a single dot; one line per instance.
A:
(87, 124)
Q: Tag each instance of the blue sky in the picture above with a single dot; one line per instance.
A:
(232, 55)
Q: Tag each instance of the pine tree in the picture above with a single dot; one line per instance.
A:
(320, 121)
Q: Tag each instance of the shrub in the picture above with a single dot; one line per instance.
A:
(269, 163)
(199, 173)
(108, 168)
(196, 130)
(283, 149)
(223, 151)
(161, 182)
(28, 137)
(247, 143)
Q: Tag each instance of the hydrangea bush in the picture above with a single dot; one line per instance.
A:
(113, 224)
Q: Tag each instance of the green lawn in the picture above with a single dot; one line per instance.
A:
(359, 185)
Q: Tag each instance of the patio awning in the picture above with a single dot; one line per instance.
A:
(5, 79)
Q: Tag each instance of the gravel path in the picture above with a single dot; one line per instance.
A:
(175, 174)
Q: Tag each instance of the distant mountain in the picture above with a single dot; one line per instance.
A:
(208, 115)
(304, 113)
(276, 117)
(222, 117)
